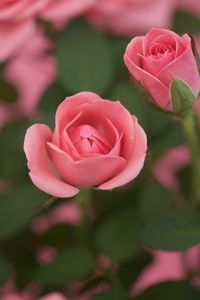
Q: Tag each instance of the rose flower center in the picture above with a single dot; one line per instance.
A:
(88, 140)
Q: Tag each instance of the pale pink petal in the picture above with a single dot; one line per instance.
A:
(134, 163)
(41, 171)
(183, 68)
(87, 172)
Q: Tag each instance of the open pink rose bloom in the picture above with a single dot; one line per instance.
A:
(96, 143)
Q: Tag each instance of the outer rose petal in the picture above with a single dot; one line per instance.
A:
(39, 164)
(183, 68)
(158, 90)
(12, 35)
(135, 162)
(87, 172)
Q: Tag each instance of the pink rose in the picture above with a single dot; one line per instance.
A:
(127, 17)
(62, 11)
(16, 23)
(158, 57)
(95, 143)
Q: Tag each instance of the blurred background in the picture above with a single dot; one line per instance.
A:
(49, 51)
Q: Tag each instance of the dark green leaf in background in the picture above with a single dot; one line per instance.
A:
(12, 159)
(71, 264)
(117, 236)
(3, 271)
(52, 97)
(17, 208)
(170, 291)
(154, 201)
(130, 270)
(176, 230)
(84, 58)
(113, 294)
(185, 22)
(8, 92)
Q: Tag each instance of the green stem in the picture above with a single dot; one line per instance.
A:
(84, 202)
(189, 128)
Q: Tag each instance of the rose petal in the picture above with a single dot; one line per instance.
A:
(135, 162)
(183, 68)
(41, 171)
(87, 172)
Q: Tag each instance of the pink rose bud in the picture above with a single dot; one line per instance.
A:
(159, 57)
(95, 143)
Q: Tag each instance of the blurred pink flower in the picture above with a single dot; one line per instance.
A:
(166, 168)
(66, 213)
(62, 11)
(45, 254)
(53, 296)
(169, 266)
(31, 71)
(17, 23)
(129, 17)
(192, 6)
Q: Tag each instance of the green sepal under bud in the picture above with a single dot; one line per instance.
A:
(146, 96)
(182, 98)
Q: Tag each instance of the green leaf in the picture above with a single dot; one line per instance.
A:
(3, 271)
(70, 265)
(129, 97)
(12, 158)
(8, 93)
(52, 97)
(182, 98)
(129, 271)
(84, 58)
(117, 236)
(186, 22)
(175, 231)
(154, 201)
(17, 208)
(170, 291)
(113, 294)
